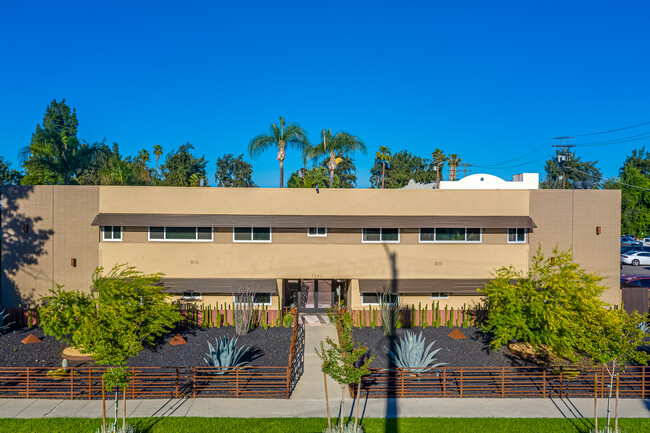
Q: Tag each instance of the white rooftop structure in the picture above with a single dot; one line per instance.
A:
(483, 181)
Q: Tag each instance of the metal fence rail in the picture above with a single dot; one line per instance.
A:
(503, 382)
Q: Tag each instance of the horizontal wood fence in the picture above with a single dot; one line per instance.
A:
(502, 382)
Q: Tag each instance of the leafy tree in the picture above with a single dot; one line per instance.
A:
(341, 361)
(128, 312)
(234, 172)
(8, 175)
(316, 176)
(403, 167)
(180, 165)
(293, 136)
(575, 170)
(336, 146)
(634, 177)
(614, 341)
(454, 161)
(345, 172)
(384, 156)
(55, 154)
(550, 304)
(117, 170)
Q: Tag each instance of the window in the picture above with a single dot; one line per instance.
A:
(317, 231)
(450, 235)
(380, 235)
(251, 234)
(373, 298)
(180, 234)
(112, 233)
(516, 236)
(258, 298)
(191, 295)
(439, 295)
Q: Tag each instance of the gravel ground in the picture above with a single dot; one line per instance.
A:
(272, 349)
(472, 351)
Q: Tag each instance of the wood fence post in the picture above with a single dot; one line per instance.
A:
(194, 382)
(444, 382)
(544, 383)
(72, 383)
(402, 382)
(602, 382)
(643, 372)
(176, 392)
(561, 381)
(503, 381)
(132, 384)
(461, 382)
(90, 383)
(28, 383)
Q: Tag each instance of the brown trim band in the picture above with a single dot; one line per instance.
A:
(329, 221)
(465, 286)
(219, 285)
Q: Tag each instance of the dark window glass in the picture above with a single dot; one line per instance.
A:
(317, 231)
(117, 232)
(261, 234)
(450, 234)
(205, 233)
(180, 233)
(473, 235)
(427, 235)
(516, 235)
(389, 235)
(242, 233)
(371, 235)
(156, 232)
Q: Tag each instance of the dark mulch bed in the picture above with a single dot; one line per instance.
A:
(473, 351)
(272, 349)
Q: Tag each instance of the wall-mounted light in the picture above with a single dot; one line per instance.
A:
(25, 228)
(597, 230)
(73, 263)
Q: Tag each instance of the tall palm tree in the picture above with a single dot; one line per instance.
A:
(339, 144)
(384, 156)
(141, 162)
(454, 161)
(157, 150)
(281, 137)
(439, 160)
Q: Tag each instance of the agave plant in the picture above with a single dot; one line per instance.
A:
(644, 327)
(226, 355)
(411, 354)
(4, 327)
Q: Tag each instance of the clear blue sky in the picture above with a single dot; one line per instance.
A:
(490, 81)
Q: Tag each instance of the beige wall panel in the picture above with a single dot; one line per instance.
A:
(313, 261)
(289, 201)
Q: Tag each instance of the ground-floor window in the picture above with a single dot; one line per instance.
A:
(251, 234)
(439, 295)
(374, 298)
(258, 298)
(516, 236)
(191, 295)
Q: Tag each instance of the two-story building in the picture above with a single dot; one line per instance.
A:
(303, 247)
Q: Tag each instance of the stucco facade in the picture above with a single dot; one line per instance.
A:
(63, 242)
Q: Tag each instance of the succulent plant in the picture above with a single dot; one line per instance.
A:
(226, 355)
(287, 320)
(4, 327)
(644, 327)
(411, 354)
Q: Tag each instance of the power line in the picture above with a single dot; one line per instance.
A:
(611, 180)
(613, 130)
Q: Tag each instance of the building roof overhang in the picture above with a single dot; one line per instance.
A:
(219, 285)
(297, 221)
(460, 286)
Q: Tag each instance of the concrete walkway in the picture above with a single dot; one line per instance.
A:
(371, 408)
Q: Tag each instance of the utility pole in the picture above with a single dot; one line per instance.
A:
(563, 157)
(464, 166)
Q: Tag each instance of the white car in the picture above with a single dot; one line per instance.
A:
(636, 258)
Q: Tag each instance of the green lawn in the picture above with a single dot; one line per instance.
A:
(306, 425)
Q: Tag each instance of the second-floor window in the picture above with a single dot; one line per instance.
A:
(180, 234)
(381, 235)
(251, 234)
(112, 233)
(450, 235)
(516, 236)
(317, 231)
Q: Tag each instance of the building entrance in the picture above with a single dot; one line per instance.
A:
(315, 296)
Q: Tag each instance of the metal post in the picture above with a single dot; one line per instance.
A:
(544, 383)
(236, 382)
(28, 383)
(444, 382)
(90, 383)
(194, 382)
(643, 372)
(176, 393)
(561, 382)
(132, 384)
(595, 402)
(71, 383)
(461, 382)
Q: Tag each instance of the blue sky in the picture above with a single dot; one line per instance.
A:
(491, 81)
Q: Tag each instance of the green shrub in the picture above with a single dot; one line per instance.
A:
(287, 320)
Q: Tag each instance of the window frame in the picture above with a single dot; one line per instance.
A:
(196, 232)
(381, 235)
(317, 235)
(435, 236)
(193, 296)
(112, 234)
(234, 299)
(441, 295)
(252, 241)
(397, 297)
(517, 242)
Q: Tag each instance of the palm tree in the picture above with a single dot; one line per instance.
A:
(339, 144)
(439, 160)
(291, 136)
(384, 156)
(454, 161)
(141, 161)
(157, 150)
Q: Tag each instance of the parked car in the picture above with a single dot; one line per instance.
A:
(625, 250)
(636, 281)
(646, 241)
(627, 238)
(636, 258)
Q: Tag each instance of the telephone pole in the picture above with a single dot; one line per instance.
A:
(464, 166)
(563, 157)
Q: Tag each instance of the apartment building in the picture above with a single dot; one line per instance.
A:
(302, 247)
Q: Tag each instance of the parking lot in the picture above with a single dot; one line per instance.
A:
(635, 270)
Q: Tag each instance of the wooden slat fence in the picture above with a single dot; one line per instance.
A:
(501, 382)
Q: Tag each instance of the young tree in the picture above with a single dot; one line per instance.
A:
(340, 360)
(614, 338)
(311, 178)
(634, 184)
(180, 165)
(55, 154)
(127, 312)
(574, 169)
(549, 305)
(8, 175)
(281, 138)
(234, 172)
(384, 156)
(336, 146)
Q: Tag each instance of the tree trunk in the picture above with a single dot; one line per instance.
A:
(609, 395)
(327, 402)
(341, 408)
(383, 173)
(281, 155)
(596, 402)
(331, 165)
(616, 407)
(356, 418)
(331, 178)
(437, 176)
(281, 174)
(124, 411)
(103, 406)
(116, 402)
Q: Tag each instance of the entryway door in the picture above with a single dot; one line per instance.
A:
(318, 295)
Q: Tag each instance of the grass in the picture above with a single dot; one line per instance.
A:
(306, 425)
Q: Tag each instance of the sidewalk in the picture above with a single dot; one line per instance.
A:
(371, 408)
